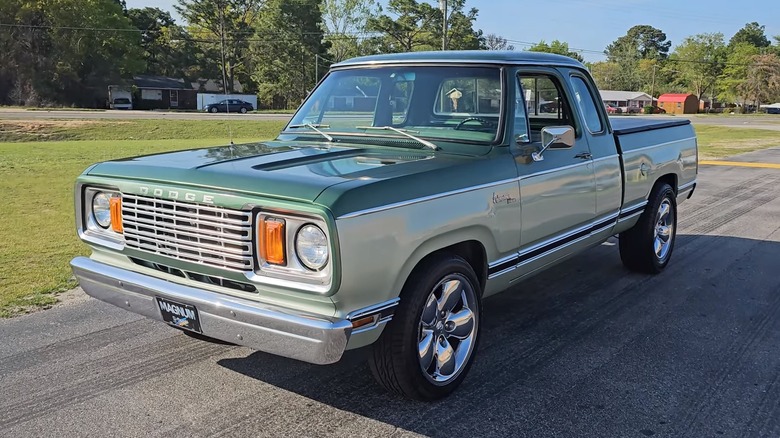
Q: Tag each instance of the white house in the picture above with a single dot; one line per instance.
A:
(626, 99)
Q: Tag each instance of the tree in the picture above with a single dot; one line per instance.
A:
(222, 30)
(557, 47)
(289, 40)
(345, 23)
(414, 26)
(735, 72)
(640, 42)
(496, 42)
(698, 62)
(167, 49)
(763, 79)
(55, 53)
(753, 34)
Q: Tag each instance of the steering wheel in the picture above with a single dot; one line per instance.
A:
(483, 122)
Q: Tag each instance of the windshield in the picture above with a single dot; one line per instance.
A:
(451, 103)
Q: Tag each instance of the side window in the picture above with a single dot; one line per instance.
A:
(469, 96)
(545, 102)
(521, 118)
(587, 105)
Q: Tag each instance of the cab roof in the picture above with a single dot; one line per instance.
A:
(465, 56)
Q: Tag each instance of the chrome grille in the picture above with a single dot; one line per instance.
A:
(197, 233)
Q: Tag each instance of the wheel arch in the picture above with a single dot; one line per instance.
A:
(470, 244)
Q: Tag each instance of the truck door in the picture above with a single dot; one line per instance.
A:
(557, 193)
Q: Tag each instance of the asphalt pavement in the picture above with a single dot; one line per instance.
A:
(583, 349)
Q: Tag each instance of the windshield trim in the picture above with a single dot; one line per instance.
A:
(499, 138)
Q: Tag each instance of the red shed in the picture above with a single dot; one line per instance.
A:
(679, 103)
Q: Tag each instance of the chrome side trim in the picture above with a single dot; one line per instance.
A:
(685, 187)
(383, 313)
(657, 145)
(636, 208)
(609, 157)
(285, 332)
(556, 243)
(630, 216)
(376, 308)
(557, 169)
(424, 198)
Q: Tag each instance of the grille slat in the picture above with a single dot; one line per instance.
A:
(197, 233)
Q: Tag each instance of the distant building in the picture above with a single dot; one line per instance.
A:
(628, 101)
(679, 103)
(161, 92)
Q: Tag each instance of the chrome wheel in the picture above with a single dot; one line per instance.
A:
(664, 230)
(447, 329)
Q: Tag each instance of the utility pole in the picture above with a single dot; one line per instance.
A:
(443, 7)
(652, 87)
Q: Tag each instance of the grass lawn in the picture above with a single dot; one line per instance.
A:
(40, 160)
(721, 142)
(37, 230)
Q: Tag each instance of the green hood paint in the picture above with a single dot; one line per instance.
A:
(341, 178)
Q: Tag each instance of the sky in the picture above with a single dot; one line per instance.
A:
(590, 25)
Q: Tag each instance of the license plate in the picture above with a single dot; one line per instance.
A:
(180, 315)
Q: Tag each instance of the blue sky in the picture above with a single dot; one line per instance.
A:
(592, 24)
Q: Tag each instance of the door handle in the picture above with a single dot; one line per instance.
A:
(584, 156)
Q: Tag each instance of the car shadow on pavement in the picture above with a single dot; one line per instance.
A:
(585, 347)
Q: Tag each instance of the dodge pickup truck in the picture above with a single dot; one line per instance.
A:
(405, 190)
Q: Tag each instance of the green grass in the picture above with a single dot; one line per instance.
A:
(79, 130)
(37, 230)
(720, 141)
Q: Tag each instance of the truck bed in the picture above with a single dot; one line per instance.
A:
(652, 147)
(622, 125)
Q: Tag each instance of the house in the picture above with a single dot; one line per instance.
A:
(628, 101)
(679, 103)
(161, 92)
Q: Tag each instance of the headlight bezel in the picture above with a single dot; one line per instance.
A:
(88, 227)
(293, 273)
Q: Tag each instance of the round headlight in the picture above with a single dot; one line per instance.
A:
(311, 246)
(101, 209)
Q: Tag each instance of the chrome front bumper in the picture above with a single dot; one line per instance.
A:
(310, 338)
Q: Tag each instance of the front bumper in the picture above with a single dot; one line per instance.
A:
(284, 332)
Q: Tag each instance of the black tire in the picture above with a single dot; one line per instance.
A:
(394, 359)
(243, 110)
(213, 110)
(638, 245)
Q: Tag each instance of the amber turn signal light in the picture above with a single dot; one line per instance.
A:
(115, 205)
(271, 239)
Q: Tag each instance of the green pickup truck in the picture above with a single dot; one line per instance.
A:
(405, 190)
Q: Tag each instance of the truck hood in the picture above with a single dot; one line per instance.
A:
(285, 170)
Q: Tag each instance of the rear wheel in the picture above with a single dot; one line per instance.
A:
(427, 349)
(648, 246)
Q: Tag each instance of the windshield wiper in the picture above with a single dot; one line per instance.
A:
(314, 127)
(405, 132)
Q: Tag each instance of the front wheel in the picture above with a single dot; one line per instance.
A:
(213, 109)
(243, 110)
(648, 246)
(427, 349)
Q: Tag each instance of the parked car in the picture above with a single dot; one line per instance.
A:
(612, 109)
(386, 227)
(230, 106)
(122, 103)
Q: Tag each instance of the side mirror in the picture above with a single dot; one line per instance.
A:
(555, 137)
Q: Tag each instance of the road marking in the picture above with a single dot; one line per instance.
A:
(741, 164)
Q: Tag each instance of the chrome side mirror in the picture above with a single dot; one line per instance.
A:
(555, 137)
